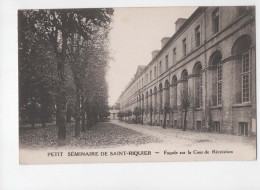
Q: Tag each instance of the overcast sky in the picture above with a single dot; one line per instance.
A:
(135, 33)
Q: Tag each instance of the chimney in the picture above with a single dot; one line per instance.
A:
(179, 23)
(154, 53)
(164, 40)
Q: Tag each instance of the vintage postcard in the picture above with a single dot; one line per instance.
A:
(137, 84)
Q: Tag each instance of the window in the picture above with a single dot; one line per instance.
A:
(215, 20)
(242, 50)
(151, 75)
(155, 72)
(166, 62)
(197, 36)
(216, 127)
(160, 67)
(243, 128)
(245, 73)
(197, 71)
(174, 56)
(219, 84)
(184, 47)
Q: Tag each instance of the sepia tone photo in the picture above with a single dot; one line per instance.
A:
(137, 84)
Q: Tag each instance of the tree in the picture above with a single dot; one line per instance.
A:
(37, 74)
(166, 110)
(151, 114)
(185, 102)
(137, 113)
(128, 113)
(121, 114)
(57, 26)
(142, 114)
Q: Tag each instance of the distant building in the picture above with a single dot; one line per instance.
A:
(212, 55)
(113, 113)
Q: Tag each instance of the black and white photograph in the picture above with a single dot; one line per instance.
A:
(137, 84)
(133, 95)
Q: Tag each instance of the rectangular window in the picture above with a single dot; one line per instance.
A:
(216, 127)
(184, 47)
(166, 62)
(151, 75)
(243, 128)
(219, 84)
(174, 56)
(215, 20)
(197, 36)
(245, 76)
(155, 72)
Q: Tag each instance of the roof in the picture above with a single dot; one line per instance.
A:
(140, 69)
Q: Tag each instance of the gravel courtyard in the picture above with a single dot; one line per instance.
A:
(177, 138)
(116, 134)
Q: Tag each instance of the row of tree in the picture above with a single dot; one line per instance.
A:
(63, 60)
(185, 101)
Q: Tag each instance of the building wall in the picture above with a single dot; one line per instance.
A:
(234, 27)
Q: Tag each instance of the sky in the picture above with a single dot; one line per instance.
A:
(135, 33)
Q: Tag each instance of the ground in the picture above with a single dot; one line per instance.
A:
(191, 138)
(118, 134)
(102, 135)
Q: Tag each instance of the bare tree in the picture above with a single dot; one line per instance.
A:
(185, 102)
(166, 110)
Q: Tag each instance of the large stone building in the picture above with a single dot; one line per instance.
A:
(211, 55)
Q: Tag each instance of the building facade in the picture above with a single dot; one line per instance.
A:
(211, 56)
(113, 114)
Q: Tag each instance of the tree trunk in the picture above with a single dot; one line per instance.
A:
(184, 122)
(33, 125)
(164, 120)
(83, 115)
(83, 123)
(159, 118)
(61, 102)
(87, 120)
(172, 119)
(33, 113)
(61, 113)
(77, 125)
(151, 118)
